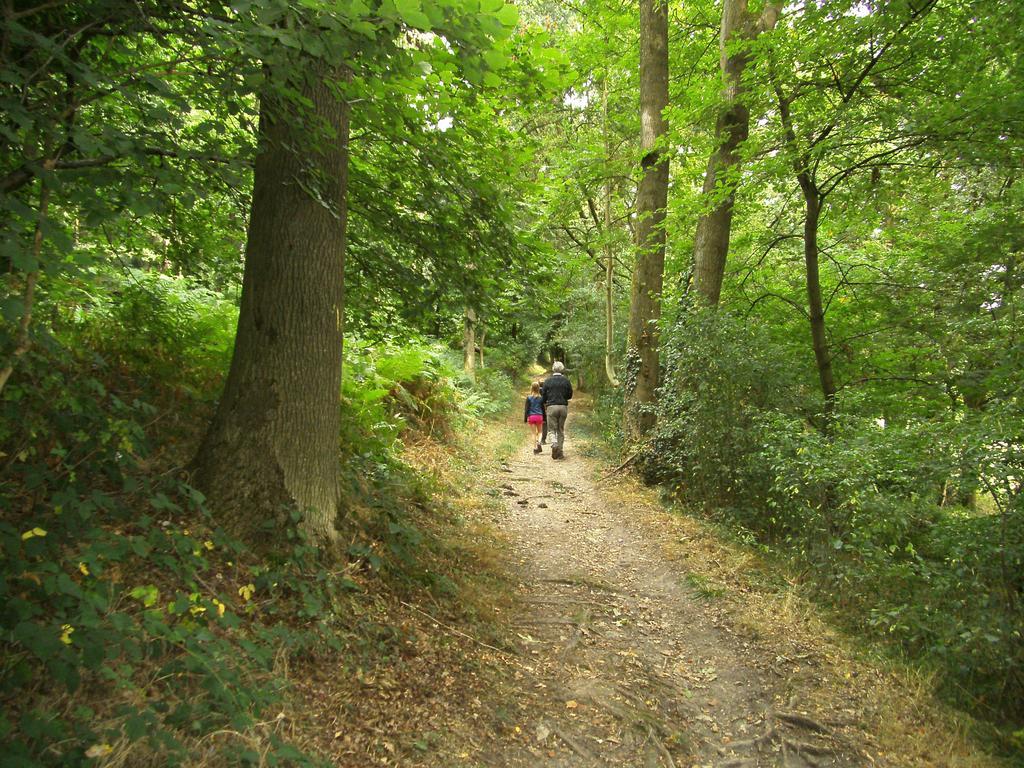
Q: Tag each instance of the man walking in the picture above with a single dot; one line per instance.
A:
(556, 392)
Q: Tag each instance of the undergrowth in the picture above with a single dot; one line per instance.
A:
(135, 630)
(876, 513)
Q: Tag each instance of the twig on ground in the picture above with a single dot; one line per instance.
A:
(564, 600)
(621, 466)
(453, 630)
(585, 584)
(544, 620)
(802, 748)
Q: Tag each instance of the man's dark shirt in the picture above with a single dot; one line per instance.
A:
(556, 390)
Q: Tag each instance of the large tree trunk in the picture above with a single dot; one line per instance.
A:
(652, 198)
(711, 244)
(273, 442)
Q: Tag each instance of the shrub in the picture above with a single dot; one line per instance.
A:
(720, 380)
(863, 510)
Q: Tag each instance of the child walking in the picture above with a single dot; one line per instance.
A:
(533, 413)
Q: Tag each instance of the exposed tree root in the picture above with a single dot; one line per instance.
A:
(576, 747)
(809, 749)
(662, 749)
(794, 752)
(802, 721)
(754, 744)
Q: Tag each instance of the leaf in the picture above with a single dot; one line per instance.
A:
(24, 260)
(98, 750)
(147, 594)
(496, 59)
(12, 308)
(33, 533)
(411, 13)
(508, 16)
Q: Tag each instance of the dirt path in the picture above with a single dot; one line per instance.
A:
(625, 657)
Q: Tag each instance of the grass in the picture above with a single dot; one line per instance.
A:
(704, 587)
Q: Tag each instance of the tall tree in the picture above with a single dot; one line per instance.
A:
(711, 245)
(834, 146)
(469, 342)
(273, 441)
(652, 198)
(609, 250)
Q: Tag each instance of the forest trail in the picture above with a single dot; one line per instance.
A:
(627, 658)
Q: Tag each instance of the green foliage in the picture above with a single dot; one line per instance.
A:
(178, 332)
(720, 378)
(483, 150)
(390, 388)
(868, 511)
(115, 579)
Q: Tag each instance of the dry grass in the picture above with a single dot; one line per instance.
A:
(418, 659)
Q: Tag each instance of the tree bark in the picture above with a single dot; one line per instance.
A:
(652, 198)
(816, 312)
(23, 339)
(273, 443)
(469, 343)
(609, 253)
(711, 244)
(813, 199)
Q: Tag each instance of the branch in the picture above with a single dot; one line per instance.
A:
(22, 340)
(593, 213)
(913, 379)
(23, 175)
(872, 62)
(37, 9)
(799, 308)
(871, 161)
(583, 246)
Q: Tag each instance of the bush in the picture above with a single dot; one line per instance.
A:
(863, 510)
(416, 385)
(720, 381)
(178, 333)
(131, 624)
